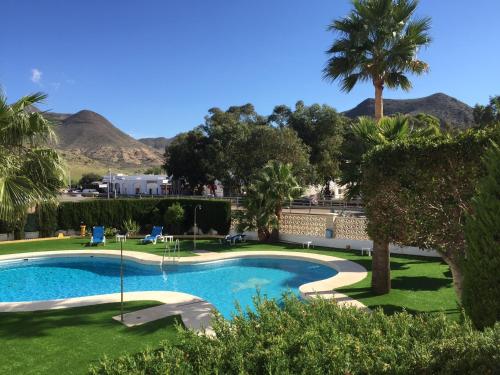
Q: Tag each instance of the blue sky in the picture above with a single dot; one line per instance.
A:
(155, 67)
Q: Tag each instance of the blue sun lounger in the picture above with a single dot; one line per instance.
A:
(98, 236)
(156, 234)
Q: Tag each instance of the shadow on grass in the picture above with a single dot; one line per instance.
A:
(43, 323)
(420, 283)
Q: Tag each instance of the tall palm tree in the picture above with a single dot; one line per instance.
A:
(271, 189)
(31, 171)
(378, 42)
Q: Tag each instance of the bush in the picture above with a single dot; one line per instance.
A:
(173, 218)
(481, 291)
(319, 337)
(215, 213)
(130, 227)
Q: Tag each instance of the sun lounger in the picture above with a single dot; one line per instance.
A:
(98, 236)
(156, 234)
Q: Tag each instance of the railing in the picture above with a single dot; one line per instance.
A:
(331, 204)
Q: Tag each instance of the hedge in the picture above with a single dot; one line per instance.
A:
(214, 214)
(481, 292)
(320, 337)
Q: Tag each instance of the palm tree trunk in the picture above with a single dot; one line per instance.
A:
(379, 102)
(275, 233)
(381, 267)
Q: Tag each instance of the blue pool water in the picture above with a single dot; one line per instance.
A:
(222, 283)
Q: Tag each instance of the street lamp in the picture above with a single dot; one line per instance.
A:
(198, 207)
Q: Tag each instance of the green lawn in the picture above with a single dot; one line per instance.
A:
(78, 243)
(68, 341)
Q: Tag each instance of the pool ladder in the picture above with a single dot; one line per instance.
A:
(173, 254)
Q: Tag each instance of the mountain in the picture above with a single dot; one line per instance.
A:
(448, 109)
(89, 134)
(88, 142)
(158, 143)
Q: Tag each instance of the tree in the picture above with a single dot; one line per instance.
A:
(378, 42)
(489, 114)
(174, 217)
(321, 128)
(157, 169)
(365, 135)
(274, 186)
(87, 179)
(186, 158)
(481, 289)
(31, 172)
(418, 191)
(264, 143)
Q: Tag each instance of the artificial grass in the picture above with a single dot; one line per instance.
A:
(419, 284)
(78, 243)
(68, 341)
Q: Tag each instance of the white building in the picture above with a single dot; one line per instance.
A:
(138, 184)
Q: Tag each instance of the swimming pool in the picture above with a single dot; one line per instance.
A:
(221, 282)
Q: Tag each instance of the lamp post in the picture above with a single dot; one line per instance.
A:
(198, 207)
(121, 278)
(109, 181)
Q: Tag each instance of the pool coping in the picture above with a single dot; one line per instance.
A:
(348, 273)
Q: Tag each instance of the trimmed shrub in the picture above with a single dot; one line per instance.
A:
(215, 213)
(481, 292)
(173, 218)
(319, 337)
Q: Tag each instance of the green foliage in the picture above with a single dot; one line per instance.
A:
(186, 158)
(367, 133)
(47, 219)
(87, 179)
(274, 186)
(155, 170)
(215, 214)
(418, 191)
(318, 337)
(321, 128)
(173, 218)
(489, 114)
(481, 294)
(378, 42)
(130, 227)
(30, 172)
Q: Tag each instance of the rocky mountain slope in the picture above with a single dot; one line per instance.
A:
(448, 109)
(158, 143)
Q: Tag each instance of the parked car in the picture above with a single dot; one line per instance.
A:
(307, 201)
(90, 193)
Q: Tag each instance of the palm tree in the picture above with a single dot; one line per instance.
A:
(31, 172)
(274, 186)
(378, 42)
